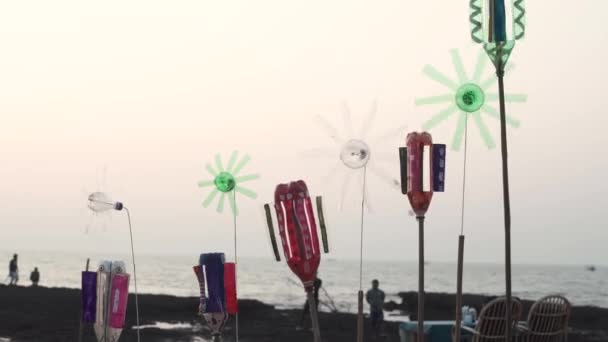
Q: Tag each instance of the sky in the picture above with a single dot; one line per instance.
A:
(135, 97)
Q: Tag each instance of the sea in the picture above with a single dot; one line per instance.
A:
(273, 283)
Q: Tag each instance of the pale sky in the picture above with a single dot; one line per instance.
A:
(152, 90)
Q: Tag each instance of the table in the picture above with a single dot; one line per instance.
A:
(434, 331)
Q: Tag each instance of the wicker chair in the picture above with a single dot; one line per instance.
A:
(490, 326)
(547, 320)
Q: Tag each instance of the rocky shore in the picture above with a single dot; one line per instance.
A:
(52, 314)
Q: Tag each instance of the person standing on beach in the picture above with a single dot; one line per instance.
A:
(13, 271)
(35, 277)
(375, 299)
(306, 311)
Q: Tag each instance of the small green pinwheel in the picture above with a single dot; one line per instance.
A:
(226, 180)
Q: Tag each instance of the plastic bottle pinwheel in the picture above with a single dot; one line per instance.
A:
(217, 282)
(421, 151)
(355, 154)
(104, 299)
(497, 24)
(100, 202)
(228, 180)
(469, 95)
(298, 231)
(353, 150)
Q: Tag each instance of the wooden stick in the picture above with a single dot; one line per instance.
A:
(500, 72)
(81, 328)
(314, 316)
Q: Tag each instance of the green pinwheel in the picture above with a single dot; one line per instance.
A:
(468, 95)
(226, 180)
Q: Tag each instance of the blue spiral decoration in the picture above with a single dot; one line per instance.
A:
(519, 14)
(476, 21)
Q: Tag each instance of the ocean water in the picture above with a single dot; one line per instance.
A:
(273, 283)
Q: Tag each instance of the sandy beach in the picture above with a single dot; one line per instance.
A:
(52, 314)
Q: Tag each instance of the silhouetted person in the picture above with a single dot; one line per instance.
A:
(306, 312)
(35, 277)
(375, 299)
(13, 271)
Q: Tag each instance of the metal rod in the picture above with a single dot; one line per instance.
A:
(134, 273)
(360, 294)
(420, 278)
(314, 315)
(500, 72)
(459, 288)
(236, 279)
(360, 317)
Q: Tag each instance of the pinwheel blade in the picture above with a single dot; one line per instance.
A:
(460, 131)
(220, 203)
(493, 112)
(210, 198)
(516, 98)
(218, 163)
(508, 97)
(203, 184)
(319, 152)
(347, 178)
(458, 66)
(439, 77)
(332, 172)
(479, 67)
(246, 178)
(348, 122)
(393, 133)
(231, 161)
(385, 177)
(439, 117)
(211, 170)
(483, 130)
(331, 131)
(246, 192)
(369, 120)
(241, 164)
(434, 99)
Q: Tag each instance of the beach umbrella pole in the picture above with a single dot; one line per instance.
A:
(420, 278)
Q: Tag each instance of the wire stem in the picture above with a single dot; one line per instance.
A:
(134, 273)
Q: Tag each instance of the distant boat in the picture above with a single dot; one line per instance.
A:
(590, 268)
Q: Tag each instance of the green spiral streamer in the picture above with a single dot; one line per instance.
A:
(519, 14)
(475, 20)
